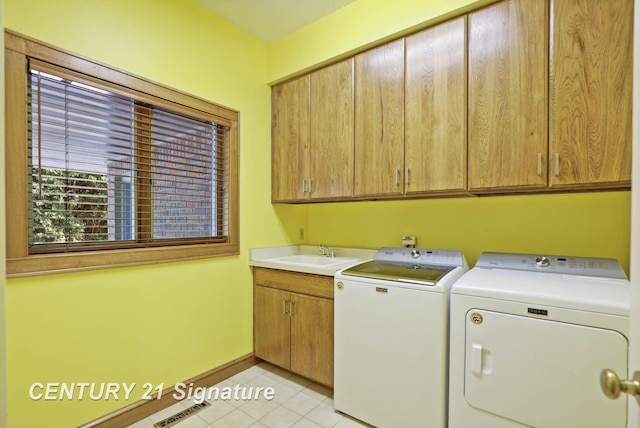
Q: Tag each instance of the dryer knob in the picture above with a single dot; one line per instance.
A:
(542, 261)
(415, 254)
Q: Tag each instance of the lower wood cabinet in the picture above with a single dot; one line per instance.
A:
(293, 322)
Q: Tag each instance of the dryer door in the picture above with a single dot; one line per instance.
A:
(540, 372)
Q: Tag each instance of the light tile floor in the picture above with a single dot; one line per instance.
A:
(297, 403)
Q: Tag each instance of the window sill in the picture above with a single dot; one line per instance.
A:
(76, 262)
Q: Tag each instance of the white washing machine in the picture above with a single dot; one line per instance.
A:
(391, 337)
(530, 336)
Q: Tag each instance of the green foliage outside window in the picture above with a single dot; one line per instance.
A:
(69, 206)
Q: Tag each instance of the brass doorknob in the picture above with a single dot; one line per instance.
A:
(612, 385)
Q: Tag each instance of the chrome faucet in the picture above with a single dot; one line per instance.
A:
(326, 251)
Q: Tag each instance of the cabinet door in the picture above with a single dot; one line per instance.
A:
(290, 140)
(312, 338)
(331, 151)
(508, 70)
(272, 326)
(591, 82)
(436, 109)
(379, 112)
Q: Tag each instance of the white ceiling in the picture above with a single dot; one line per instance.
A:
(269, 20)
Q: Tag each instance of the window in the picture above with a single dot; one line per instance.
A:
(111, 169)
(107, 170)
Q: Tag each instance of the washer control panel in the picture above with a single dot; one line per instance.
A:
(587, 266)
(419, 256)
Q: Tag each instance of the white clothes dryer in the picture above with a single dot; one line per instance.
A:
(530, 336)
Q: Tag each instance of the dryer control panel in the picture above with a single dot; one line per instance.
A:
(587, 266)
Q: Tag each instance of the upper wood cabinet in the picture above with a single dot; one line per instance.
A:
(332, 124)
(290, 140)
(508, 101)
(312, 135)
(436, 109)
(379, 120)
(517, 96)
(591, 88)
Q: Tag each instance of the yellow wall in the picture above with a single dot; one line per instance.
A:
(588, 224)
(3, 349)
(162, 323)
(581, 224)
(356, 25)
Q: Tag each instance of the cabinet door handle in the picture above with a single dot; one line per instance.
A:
(284, 307)
(291, 303)
(539, 164)
(407, 178)
(397, 176)
(557, 164)
(304, 186)
(310, 186)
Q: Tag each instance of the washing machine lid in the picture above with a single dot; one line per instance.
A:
(409, 265)
(423, 275)
(584, 293)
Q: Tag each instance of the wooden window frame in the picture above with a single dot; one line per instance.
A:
(18, 51)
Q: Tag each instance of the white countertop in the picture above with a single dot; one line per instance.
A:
(281, 258)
